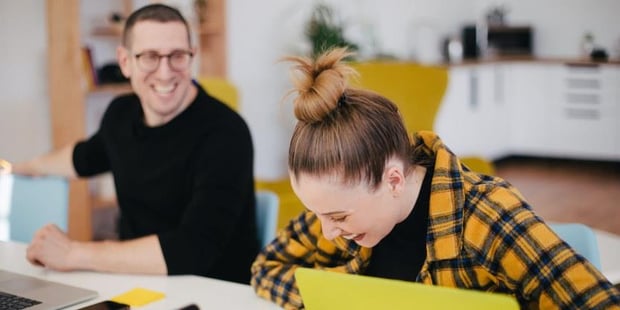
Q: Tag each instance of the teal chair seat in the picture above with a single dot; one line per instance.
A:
(581, 238)
(267, 205)
(34, 202)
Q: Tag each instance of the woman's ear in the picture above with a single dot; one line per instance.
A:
(395, 179)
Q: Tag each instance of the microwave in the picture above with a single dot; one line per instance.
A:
(497, 40)
(509, 40)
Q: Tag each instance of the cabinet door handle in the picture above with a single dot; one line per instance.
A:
(473, 89)
(581, 65)
(583, 83)
(579, 98)
(499, 86)
(582, 114)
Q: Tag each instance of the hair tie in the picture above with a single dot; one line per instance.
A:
(342, 100)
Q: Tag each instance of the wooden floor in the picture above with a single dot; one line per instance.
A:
(558, 190)
(568, 190)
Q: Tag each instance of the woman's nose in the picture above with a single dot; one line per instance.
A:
(330, 231)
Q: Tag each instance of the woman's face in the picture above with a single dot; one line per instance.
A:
(355, 212)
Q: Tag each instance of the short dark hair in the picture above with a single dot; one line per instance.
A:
(154, 12)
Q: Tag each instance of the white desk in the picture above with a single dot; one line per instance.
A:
(180, 290)
(204, 292)
(609, 247)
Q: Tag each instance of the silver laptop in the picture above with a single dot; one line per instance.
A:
(37, 293)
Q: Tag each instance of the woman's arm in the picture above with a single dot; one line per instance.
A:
(273, 270)
(301, 244)
(531, 260)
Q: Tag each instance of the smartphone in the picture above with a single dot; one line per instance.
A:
(107, 305)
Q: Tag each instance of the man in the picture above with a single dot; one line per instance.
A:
(182, 164)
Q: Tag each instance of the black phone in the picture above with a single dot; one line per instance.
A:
(107, 305)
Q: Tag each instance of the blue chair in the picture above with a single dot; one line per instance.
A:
(581, 238)
(267, 205)
(35, 202)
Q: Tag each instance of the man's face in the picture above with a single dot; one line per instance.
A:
(165, 91)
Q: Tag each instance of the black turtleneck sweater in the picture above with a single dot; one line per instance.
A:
(189, 181)
(401, 254)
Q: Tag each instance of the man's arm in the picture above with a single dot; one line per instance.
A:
(58, 162)
(53, 249)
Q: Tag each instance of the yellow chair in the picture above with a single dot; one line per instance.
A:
(417, 90)
(221, 89)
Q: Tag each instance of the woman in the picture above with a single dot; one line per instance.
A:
(383, 205)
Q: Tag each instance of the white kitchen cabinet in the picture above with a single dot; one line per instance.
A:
(452, 122)
(614, 74)
(532, 108)
(472, 119)
(527, 93)
(493, 110)
(583, 111)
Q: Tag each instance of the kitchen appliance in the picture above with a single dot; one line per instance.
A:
(509, 40)
(469, 39)
(498, 40)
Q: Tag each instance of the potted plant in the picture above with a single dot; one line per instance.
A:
(324, 31)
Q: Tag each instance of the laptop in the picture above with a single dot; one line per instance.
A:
(38, 293)
(326, 290)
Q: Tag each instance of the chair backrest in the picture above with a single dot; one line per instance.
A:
(34, 202)
(221, 89)
(416, 89)
(478, 164)
(267, 205)
(581, 238)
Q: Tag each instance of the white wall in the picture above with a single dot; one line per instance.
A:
(261, 32)
(24, 113)
(560, 24)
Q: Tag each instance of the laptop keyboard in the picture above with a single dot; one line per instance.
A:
(8, 301)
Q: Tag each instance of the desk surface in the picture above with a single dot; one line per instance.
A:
(180, 290)
(207, 293)
(609, 247)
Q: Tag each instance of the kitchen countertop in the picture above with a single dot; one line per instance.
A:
(534, 59)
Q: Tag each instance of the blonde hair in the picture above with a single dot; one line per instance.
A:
(352, 132)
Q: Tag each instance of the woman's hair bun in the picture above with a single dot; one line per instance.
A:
(319, 83)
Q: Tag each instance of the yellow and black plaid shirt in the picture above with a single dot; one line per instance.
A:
(481, 235)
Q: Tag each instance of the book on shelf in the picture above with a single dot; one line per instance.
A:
(89, 74)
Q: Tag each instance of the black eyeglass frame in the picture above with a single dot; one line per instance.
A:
(160, 56)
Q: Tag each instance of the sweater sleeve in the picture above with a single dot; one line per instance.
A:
(301, 244)
(222, 189)
(274, 268)
(529, 259)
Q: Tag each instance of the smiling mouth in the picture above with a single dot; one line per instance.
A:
(164, 89)
(354, 237)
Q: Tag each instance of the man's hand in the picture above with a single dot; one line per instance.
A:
(5, 167)
(51, 248)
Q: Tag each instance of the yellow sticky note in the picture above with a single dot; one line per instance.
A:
(138, 297)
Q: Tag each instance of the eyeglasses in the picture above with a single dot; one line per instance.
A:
(178, 60)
